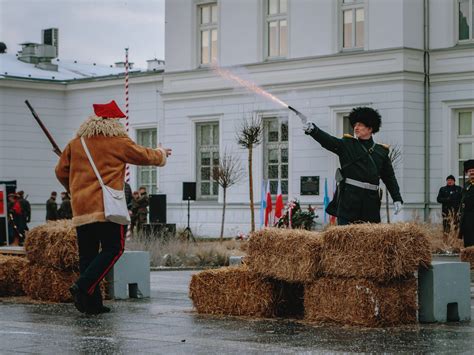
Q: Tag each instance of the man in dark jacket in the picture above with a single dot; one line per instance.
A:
(450, 198)
(25, 207)
(467, 206)
(65, 210)
(52, 207)
(363, 164)
(142, 208)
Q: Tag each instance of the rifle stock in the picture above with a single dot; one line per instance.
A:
(45, 130)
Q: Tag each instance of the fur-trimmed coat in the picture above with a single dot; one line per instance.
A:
(111, 149)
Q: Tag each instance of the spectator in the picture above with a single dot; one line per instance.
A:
(450, 198)
(26, 208)
(52, 207)
(65, 210)
(142, 208)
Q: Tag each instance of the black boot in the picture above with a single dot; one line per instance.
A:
(79, 298)
(95, 304)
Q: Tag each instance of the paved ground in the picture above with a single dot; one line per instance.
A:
(166, 324)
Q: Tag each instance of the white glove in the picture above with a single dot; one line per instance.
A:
(308, 127)
(398, 207)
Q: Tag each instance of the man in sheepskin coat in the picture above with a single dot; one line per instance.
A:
(111, 149)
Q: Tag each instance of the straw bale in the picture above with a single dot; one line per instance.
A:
(10, 268)
(380, 252)
(240, 292)
(291, 255)
(361, 302)
(53, 244)
(467, 255)
(47, 284)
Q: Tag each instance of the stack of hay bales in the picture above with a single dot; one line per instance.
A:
(358, 274)
(10, 269)
(54, 263)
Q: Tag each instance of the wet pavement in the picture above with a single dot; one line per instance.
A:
(166, 324)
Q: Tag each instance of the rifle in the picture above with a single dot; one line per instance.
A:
(45, 130)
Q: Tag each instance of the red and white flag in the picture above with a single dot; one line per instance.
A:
(279, 203)
(268, 209)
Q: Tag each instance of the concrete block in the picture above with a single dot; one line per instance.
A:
(444, 292)
(130, 276)
(235, 260)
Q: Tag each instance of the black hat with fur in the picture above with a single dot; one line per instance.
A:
(468, 164)
(367, 116)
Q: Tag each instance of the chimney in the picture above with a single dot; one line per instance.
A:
(155, 64)
(41, 54)
(122, 65)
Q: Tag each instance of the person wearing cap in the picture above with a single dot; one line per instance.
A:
(450, 198)
(65, 210)
(363, 164)
(25, 206)
(52, 207)
(466, 230)
(110, 149)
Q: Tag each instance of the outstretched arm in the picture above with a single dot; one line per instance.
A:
(327, 141)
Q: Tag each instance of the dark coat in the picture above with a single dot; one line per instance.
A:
(450, 198)
(467, 215)
(26, 208)
(370, 164)
(65, 210)
(51, 210)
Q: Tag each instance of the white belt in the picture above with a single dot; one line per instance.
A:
(363, 185)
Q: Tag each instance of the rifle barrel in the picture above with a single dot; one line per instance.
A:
(45, 130)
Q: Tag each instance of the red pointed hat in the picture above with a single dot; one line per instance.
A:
(109, 110)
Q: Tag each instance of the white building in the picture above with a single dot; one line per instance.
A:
(413, 60)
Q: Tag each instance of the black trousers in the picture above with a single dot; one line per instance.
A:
(94, 265)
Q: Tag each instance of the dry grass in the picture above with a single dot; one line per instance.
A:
(291, 255)
(381, 252)
(361, 302)
(10, 268)
(240, 292)
(177, 252)
(467, 255)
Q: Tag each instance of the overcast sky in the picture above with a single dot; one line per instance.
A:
(89, 31)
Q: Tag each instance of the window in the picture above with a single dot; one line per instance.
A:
(346, 125)
(277, 28)
(353, 24)
(465, 139)
(207, 138)
(207, 19)
(276, 154)
(146, 175)
(466, 16)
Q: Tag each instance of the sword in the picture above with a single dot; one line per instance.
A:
(45, 130)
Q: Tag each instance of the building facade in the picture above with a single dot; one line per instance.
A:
(413, 60)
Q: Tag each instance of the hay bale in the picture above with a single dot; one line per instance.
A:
(361, 302)
(53, 244)
(467, 255)
(10, 268)
(291, 255)
(240, 292)
(47, 284)
(381, 252)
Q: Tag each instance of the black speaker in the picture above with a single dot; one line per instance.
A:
(157, 208)
(189, 191)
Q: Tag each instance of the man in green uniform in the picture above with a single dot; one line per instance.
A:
(142, 208)
(363, 164)
(467, 206)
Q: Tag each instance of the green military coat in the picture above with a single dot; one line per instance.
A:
(370, 164)
(467, 214)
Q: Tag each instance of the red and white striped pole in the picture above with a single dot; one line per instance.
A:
(127, 169)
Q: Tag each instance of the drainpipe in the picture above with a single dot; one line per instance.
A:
(426, 99)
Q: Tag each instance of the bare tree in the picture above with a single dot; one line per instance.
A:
(395, 156)
(249, 136)
(226, 174)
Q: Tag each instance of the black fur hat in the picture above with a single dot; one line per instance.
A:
(366, 115)
(468, 164)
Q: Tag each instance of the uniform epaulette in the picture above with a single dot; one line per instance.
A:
(346, 135)
(386, 146)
